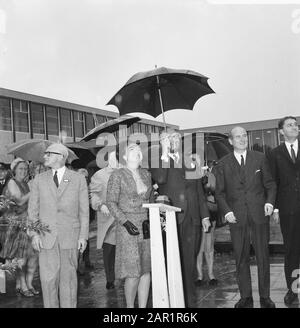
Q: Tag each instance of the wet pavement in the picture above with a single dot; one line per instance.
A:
(93, 294)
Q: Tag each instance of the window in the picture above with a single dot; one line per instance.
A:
(5, 117)
(78, 123)
(20, 115)
(52, 120)
(89, 122)
(257, 140)
(270, 140)
(66, 122)
(100, 119)
(37, 117)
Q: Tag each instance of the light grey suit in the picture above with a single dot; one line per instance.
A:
(66, 210)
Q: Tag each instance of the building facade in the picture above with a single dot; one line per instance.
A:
(262, 135)
(27, 116)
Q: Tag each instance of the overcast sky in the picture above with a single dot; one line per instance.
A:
(83, 51)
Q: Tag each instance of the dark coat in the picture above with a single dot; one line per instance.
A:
(249, 196)
(287, 178)
(186, 194)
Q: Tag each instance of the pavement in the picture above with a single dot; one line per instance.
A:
(93, 294)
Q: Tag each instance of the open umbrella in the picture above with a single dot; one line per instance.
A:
(33, 150)
(110, 126)
(159, 90)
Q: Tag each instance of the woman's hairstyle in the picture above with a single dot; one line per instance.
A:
(15, 163)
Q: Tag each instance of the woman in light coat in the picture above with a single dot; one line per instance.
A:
(106, 224)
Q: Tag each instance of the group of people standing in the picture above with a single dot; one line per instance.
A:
(245, 188)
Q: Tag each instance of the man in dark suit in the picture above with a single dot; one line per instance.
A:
(285, 167)
(245, 193)
(186, 192)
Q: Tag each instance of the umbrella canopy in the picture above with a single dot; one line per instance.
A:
(159, 90)
(33, 150)
(110, 126)
(84, 153)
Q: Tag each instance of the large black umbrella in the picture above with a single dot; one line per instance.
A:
(110, 126)
(157, 91)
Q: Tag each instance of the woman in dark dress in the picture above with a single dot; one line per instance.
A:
(128, 189)
(17, 244)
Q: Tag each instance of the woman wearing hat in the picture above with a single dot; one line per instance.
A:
(17, 243)
(128, 189)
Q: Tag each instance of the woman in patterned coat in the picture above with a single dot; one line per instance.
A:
(128, 189)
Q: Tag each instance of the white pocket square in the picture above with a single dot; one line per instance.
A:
(257, 171)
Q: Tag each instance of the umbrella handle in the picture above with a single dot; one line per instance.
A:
(161, 102)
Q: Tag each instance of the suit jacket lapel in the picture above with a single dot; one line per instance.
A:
(64, 183)
(249, 167)
(286, 153)
(235, 166)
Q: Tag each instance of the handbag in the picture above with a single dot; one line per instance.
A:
(146, 229)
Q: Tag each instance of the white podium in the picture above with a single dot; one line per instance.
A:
(167, 289)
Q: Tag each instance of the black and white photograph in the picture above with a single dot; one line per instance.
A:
(149, 156)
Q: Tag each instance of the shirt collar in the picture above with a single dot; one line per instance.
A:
(60, 171)
(238, 155)
(288, 144)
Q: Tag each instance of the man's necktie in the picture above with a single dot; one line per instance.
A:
(293, 154)
(55, 179)
(243, 168)
(242, 161)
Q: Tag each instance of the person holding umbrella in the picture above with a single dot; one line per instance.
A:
(187, 194)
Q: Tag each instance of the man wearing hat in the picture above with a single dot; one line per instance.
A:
(59, 198)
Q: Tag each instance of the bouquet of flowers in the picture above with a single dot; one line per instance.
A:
(10, 266)
(6, 203)
(36, 226)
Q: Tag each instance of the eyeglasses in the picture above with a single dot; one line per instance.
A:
(48, 153)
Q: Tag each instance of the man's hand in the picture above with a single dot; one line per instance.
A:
(81, 245)
(268, 209)
(229, 217)
(206, 224)
(276, 217)
(104, 210)
(37, 243)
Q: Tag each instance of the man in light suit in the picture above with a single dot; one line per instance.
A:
(245, 193)
(285, 167)
(59, 198)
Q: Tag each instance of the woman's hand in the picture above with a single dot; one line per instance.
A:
(104, 210)
(131, 228)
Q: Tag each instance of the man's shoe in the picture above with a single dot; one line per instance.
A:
(290, 298)
(213, 282)
(266, 302)
(110, 285)
(246, 302)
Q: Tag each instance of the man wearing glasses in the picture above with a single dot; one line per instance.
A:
(59, 198)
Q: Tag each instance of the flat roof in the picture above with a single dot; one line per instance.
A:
(68, 105)
(249, 126)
